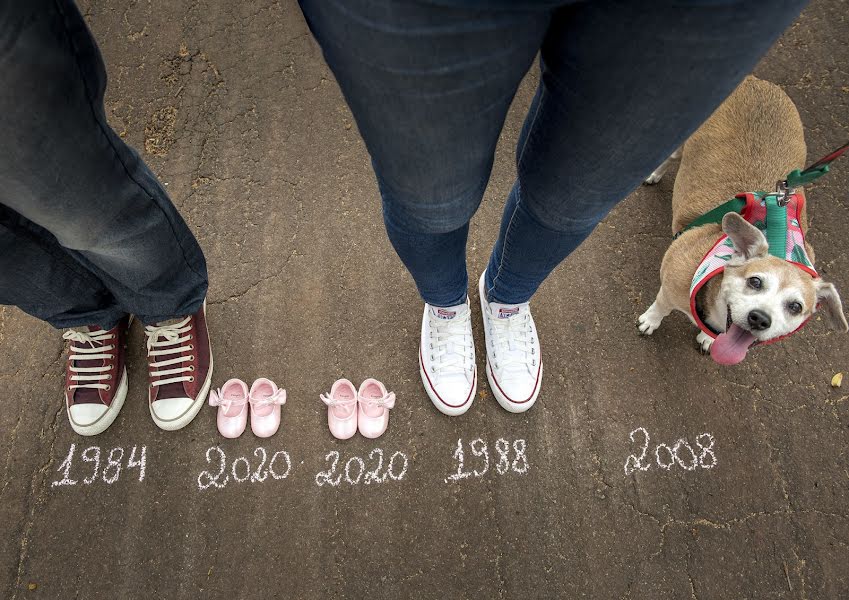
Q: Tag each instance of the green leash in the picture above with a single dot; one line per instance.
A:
(815, 171)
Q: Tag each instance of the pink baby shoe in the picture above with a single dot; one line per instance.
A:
(374, 404)
(232, 402)
(341, 409)
(265, 398)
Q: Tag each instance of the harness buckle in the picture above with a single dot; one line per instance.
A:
(783, 192)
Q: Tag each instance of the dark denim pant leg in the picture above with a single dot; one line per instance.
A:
(84, 191)
(429, 88)
(622, 86)
(38, 276)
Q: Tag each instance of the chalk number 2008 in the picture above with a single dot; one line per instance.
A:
(681, 453)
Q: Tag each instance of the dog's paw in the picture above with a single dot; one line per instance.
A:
(704, 341)
(649, 321)
(654, 178)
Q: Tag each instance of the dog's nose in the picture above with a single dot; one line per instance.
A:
(759, 320)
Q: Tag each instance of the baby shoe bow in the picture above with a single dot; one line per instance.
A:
(216, 398)
(278, 397)
(329, 401)
(387, 401)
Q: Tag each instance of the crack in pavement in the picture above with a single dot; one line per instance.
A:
(12, 436)
(274, 275)
(37, 494)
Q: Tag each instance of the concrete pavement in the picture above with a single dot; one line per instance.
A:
(233, 107)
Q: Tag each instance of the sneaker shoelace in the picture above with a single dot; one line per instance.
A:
(170, 340)
(90, 377)
(451, 347)
(513, 342)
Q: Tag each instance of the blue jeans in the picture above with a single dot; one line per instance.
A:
(623, 84)
(87, 233)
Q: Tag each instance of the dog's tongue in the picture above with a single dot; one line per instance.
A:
(730, 347)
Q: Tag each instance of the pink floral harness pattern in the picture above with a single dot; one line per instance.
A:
(755, 212)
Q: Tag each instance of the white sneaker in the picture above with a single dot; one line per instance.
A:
(513, 361)
(447, 358)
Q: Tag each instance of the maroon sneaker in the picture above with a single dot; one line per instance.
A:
(95, 376)
(180, 369)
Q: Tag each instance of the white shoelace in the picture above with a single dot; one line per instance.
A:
(96, 351)
(171, 336)
(451, 347)
(513, 342)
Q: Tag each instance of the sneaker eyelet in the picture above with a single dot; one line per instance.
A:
(192, 368)
(191, 379)
(192, 357)
(191, 347)
(108, 387)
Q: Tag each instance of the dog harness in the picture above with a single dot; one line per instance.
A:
(777, 218)
(776, 214)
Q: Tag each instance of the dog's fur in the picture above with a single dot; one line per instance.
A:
(752, 141)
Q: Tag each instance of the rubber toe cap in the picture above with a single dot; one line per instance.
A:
(453, 391)
(170, 409)
(87, 414)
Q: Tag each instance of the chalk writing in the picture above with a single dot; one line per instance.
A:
(109, 472)
(480, 450)
(241, 471)
(356, 470)
(681, 453)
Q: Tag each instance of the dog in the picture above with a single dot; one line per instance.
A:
(753, 140)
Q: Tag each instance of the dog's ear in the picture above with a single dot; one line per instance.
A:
(748, 239)
(831, 306)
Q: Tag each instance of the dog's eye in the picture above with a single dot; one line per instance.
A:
(795, 308)
(755, 283)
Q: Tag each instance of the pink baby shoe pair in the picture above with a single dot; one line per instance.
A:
(233, 399)
(366, 409)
